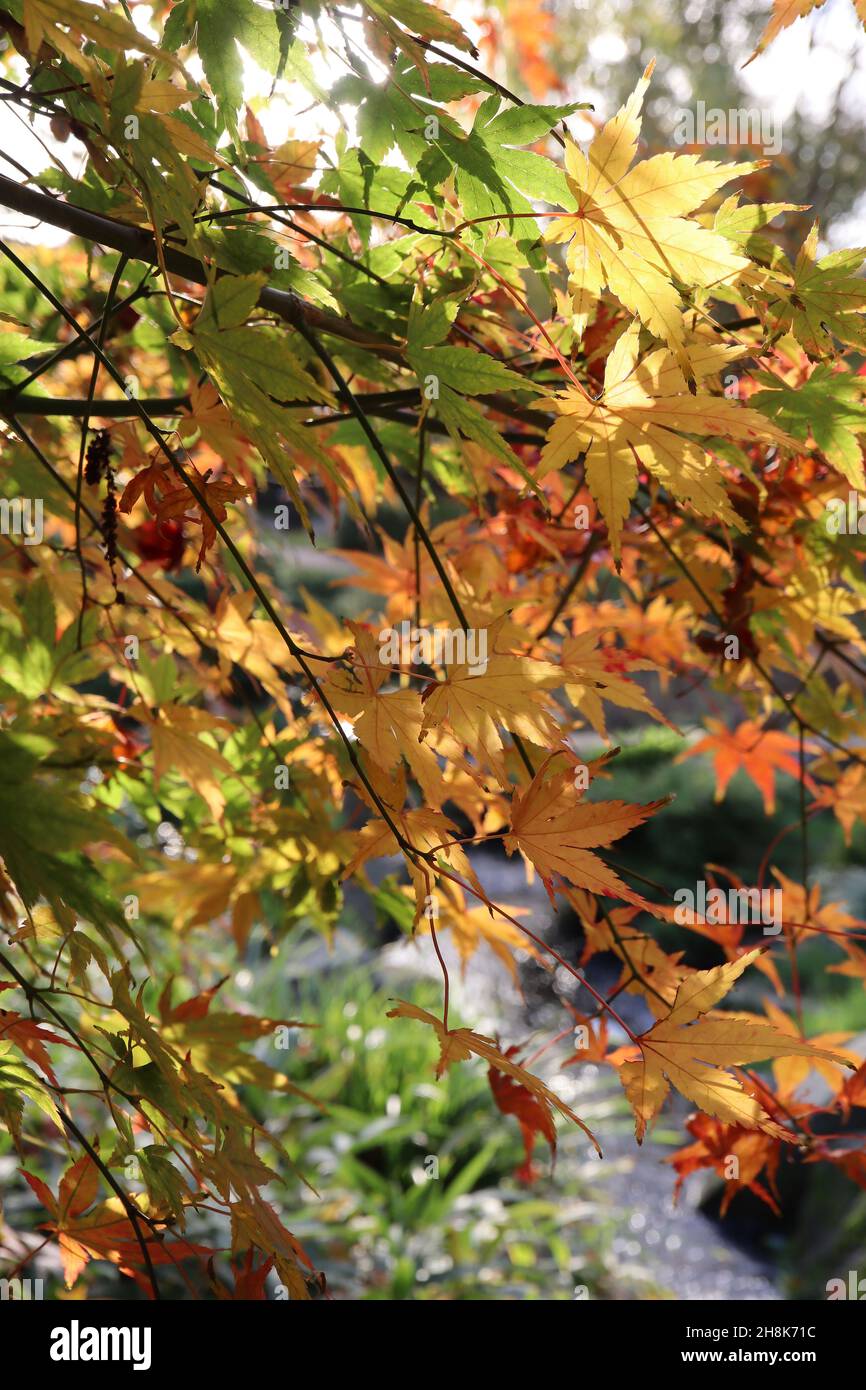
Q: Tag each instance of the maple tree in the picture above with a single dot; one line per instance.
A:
(527, 460)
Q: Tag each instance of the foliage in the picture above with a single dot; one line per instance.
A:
(542, 491)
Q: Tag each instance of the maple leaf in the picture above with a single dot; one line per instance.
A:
(829, 405)
(222, 31)
(721, 921)
(176, 748)
(458, 1044)
(826, 299)
(30, 1038)
(422, 18)
(513, 1098)
(217, 491)
(250, 1283)
(647, 969)
(211, 1041)
(785, 12)
(630, 231)
(493, 177)
(740, 223)
(18, 1083)
(43, 20)
(470, 926)
(594, 675)
(428, 831)
(847, 798)
(104, 1231)
(388, 723)
(290, 165)
(509, 692)
(850, 1160)
(692, 1048)
(207, 417)
(758, 752)
(259, 376)
(802, 906)
(556, 830)
(791, 1072)
(150, 482)
(642, 420)
(596, 1043)
(715, 1144)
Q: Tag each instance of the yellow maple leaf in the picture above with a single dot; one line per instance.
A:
(43, 20)
(630, 230)
(642, 420)
(692, 1049)
(646, 968)
(784, 14)
(429, 832)
(847, 797)
(208, 419)
(458, 1044)
(790, 1072)
(290, 165)
(502, 691)
(595, 675)
(387, 723)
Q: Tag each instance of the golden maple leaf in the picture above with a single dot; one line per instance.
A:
(510, 692)
(458, 1044)
(631, 232)
(784, 14)
(789, 1072)
(691, 1049)
(594, 675)
(470, 926)
(429, 832)
(643, 419)
(556, 830)
(207, 418)
(387, 723)
(50, 19)
(176, 748)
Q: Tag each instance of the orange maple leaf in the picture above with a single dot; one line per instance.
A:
(758, 752)
(556, 830)
(513, 1098)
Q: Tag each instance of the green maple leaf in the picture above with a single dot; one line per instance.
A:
(826, 300)
(18, 1083)
(829, 406)
(493, 175)
(224, 28)
(397, 112)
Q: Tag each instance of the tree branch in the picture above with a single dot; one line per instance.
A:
(137, 244)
